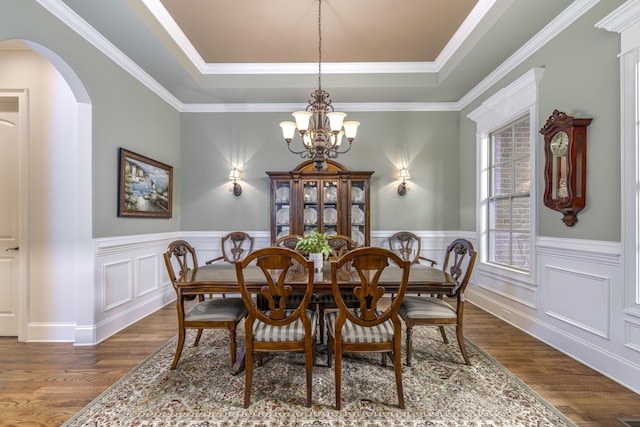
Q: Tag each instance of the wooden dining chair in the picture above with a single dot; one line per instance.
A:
(408, 246)
(278, 327)
(367, 329)
(435, 311)
(288, 241)
(210, 313)
(235, 246)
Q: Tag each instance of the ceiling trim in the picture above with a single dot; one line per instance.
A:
(165, 19)
(80, 26)
(65, 14)
(287, 108)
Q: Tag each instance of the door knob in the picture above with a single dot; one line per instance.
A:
(12, 249)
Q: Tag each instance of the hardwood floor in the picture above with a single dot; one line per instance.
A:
(44, 384)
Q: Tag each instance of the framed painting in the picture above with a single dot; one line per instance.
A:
(145, 186)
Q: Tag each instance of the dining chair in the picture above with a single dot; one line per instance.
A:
(367, 329)
(206, 314)
(277, 327)
(288, 241)
(408, 246)
(459, 260)
(235, 246)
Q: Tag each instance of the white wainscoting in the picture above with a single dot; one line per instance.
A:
(131, 283)
(573, 301)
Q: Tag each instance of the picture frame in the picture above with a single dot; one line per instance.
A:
(145, 186)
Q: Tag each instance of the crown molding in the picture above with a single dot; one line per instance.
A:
(75, 22)
(65, 14)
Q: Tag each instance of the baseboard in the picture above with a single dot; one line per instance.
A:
(91, 335)
(51, 332)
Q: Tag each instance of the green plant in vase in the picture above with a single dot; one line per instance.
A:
(314, 242)
(315, 245)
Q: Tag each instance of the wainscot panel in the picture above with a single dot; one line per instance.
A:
(580, 307)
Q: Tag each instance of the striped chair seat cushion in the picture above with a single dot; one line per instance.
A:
(415, 307)
(294, 331)
(352, 333)
(217, 310)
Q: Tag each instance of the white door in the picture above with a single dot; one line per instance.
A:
(9, 211)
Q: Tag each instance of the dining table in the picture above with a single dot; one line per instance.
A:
(221, 278)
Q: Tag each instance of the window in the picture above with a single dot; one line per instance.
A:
(505, 151)
(509, 228)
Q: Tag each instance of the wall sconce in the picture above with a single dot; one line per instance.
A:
(236, 175)
(404, 176)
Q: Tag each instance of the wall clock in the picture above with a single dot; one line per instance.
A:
(565, 167)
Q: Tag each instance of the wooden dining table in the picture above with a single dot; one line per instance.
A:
(222, 279)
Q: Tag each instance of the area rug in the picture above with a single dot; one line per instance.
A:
(440, 390)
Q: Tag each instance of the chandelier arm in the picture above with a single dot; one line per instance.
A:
(304, 153)
(334, 152)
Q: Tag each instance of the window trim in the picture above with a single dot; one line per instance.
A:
(508, 104)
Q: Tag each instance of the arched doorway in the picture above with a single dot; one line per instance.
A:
(56, 249)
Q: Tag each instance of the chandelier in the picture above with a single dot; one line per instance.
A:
(319, 126)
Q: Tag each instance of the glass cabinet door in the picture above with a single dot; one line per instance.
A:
(358, 217)
(311, 203)
(330, 208)
(281, 206)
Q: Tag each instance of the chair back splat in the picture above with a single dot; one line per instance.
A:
(277, 327)
(366, 329)
(212, 313)
(434, 310)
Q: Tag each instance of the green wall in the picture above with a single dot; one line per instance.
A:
(125, 114)
(425, 142)
(581, 78)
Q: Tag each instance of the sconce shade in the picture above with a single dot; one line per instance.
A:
(404, 174)
(235, 174)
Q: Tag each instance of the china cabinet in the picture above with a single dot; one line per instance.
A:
(333, 201)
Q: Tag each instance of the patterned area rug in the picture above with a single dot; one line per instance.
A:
(440, 390)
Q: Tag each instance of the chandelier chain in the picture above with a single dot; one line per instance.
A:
(319, 43)
(319, 126)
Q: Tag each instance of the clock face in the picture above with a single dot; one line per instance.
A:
(559, 144)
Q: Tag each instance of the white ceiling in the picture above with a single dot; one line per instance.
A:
(226, 55)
